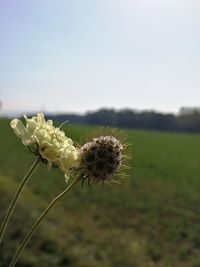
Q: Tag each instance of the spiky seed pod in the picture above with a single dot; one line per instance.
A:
(101, 158)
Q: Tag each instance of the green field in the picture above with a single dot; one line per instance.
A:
(151, 219)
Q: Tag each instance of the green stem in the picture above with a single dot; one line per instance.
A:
(16, 197)
(37, 223)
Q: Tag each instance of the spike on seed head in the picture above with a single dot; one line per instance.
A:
(101, 158)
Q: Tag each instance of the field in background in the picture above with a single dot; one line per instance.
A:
(151, 219)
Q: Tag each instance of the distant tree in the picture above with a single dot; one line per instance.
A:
(188, 119)
(105, 117)
(188, 110)
(127, 118)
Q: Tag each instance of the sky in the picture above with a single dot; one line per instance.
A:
(80, 55)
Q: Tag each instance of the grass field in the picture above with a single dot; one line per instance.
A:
(151, 219)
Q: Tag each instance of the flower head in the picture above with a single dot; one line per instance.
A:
(102, 158)
(48, 142)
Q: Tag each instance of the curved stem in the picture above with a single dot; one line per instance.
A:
(37, 223)
(16, 197)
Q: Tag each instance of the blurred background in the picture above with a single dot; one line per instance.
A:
(128, 64)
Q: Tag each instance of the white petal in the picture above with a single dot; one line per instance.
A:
(40, 118)
(19, 128)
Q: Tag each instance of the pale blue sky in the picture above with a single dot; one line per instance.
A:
(78, 55)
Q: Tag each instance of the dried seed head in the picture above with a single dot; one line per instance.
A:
(101, 158)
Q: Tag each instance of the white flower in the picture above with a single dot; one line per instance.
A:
(43, 139)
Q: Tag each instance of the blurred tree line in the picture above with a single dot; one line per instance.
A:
(187, 119)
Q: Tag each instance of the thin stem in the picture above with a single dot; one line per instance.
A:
(37, 223)
(16, 197)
